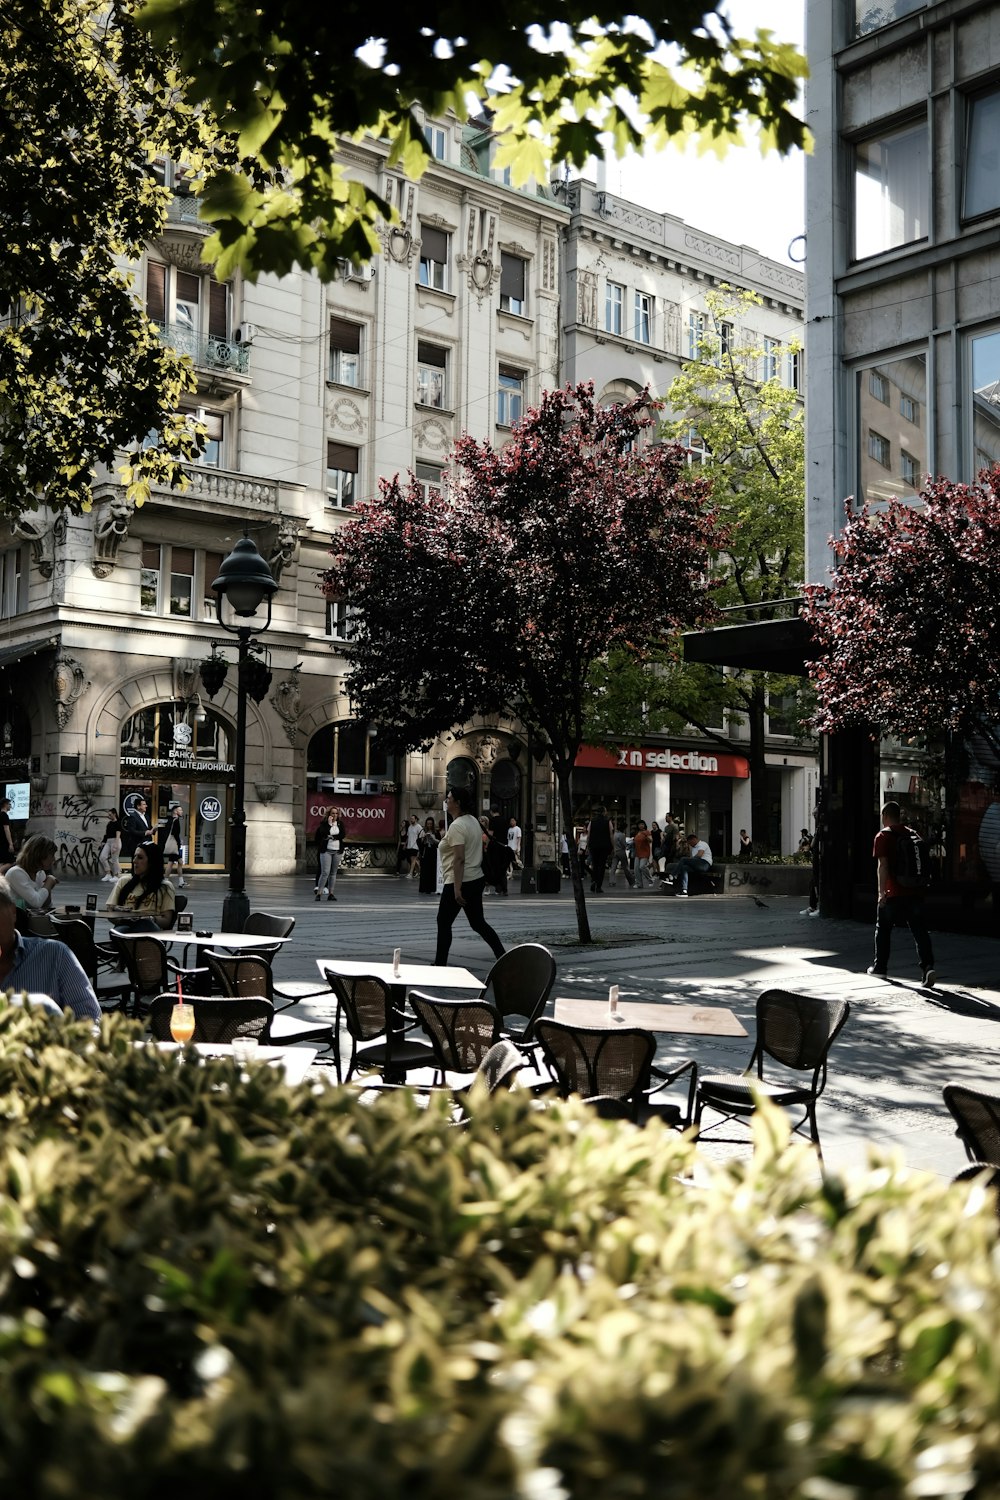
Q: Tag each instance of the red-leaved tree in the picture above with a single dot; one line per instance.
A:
(499, 595)
(909, 631)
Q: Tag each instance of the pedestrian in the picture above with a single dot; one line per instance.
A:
(581, 851)
(135, 826)
(428, 858)
(8, 853)
(902, 881)
(805, 842)
(108, 855)
(329, 847)
(599, 835)
(657, 839)
(698, 858)
(169, 837)
(402, 855)
(642, 848)
(564, 853)
(497, 861)
(462, 863)
(413, 845)
(514, 841)
(746, 846)
(619, 856)
(672, 843)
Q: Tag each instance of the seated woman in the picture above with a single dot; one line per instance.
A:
(31, 879)
(144, 899)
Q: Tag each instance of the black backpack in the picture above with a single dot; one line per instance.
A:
(910, 862)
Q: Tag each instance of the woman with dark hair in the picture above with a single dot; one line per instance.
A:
(145, 897)
(428, 858)
(464, 882)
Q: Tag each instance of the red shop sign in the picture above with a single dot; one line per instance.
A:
(367, 820)
(658, 758)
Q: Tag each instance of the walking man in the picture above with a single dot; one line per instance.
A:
(599, 848)
(902, 880)
(619, 856)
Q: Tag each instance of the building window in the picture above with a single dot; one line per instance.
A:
(211, 569)
(437, 142)
(909, 409)
(982, 155)
(433, 258)
(792, 371)
(149, 579)
(512, 283)
(181, 581)
(614, 302)
(782, 713)
(339, 619)
(345, 352)
(432, 369)
(771, 358)
(510, 397)
(697, 448)
(727, 334)
(13, 583)
(879, 386)
(186, 304)
(341, 474)
(872, 15)
(985, 352)
(878, 449)
(172, 578)
(909, 469)
(430, 477)
(214, 424)
(696, 333)
(891, 191)
(643, 318)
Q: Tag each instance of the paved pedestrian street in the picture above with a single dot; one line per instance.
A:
(899, 1047)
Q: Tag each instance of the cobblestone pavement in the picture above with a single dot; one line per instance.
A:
(900, 1046)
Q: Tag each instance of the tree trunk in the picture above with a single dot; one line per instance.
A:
(760, 829)
(564, 776)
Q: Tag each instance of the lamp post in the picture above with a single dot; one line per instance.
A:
(246, 581)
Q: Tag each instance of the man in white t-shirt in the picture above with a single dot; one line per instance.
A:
(461, 852)
(514, 841)
(413, 844)
(698, 857)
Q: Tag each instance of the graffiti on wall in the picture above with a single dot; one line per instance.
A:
(76, 856)
(75, 805)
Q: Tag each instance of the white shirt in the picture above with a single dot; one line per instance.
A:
(514, 839)
(465, 833)
(701, 851)
(412, 835)
(32, 894)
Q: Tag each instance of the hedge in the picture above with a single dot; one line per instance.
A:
(213, 1284)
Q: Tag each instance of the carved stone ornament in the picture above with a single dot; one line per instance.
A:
(111, 524)
(266, 790)
(284, 548)
(431, 435)
(486, 751)
(286, 700)
(43, 534)
(347, 415)
(186, 682)
(69, 681)
(399, 244)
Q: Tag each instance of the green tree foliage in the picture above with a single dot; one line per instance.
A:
(214, 1285)
(908, 630)
(290, 79)
(501, 595)
(745, 422)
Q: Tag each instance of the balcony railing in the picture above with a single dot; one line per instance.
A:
(208, 352)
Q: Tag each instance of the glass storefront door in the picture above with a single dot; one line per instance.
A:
(205, 807)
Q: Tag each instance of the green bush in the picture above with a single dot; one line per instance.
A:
(225, 1287)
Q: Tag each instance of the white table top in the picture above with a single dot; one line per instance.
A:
(435, 976)
(681, 1020)
(296, 1061)
(238, 940)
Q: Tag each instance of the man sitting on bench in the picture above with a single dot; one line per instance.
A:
(698, 858)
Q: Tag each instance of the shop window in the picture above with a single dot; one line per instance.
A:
(982, 155)
(345, 352)
(432, 371)
(891, 190)
(433, 270)
(342, 474)
(348, 748)
(513, 280)
(153, 733)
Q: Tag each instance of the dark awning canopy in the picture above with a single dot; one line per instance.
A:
(10, 654)
(764, 646)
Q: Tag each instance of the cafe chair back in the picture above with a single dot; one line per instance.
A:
(151, 971)
(795, 1032)
(977, 1117)
(242, 975)
(519, 984)
(112, 990)
(599, 1061)
(264, 924)
(215, 1020)
(461, 1031)
(363, 1006)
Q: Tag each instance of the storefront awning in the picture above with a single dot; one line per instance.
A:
(11, 654)
(764, 646)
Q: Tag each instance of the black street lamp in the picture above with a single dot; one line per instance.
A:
(246, 581)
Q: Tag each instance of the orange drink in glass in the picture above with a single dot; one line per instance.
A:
(182, 1022)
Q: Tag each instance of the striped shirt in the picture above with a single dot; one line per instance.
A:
(45, 966)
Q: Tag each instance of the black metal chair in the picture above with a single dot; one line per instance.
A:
(248, 975)
(216, 1020)
(264, 924)
(519, 984)
(462, 1032)
(363, 1003)
(795, 1031)
(112, 989)
(977, 1118)
(610, 1063)
(151, 971)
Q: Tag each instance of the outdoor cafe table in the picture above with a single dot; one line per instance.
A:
(241, 942)
(683, 1020)
(294, 1061)
(409, 976)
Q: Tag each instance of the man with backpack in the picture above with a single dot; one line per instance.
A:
(902, 881)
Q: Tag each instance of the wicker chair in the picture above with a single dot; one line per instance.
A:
(795, 1031)
(112, 990)
(264, 925)
(245, 975)
(608, 1062)
(363, 1003)
(519, 984)
(977, 1118)
(151, 972)
(216, 1020)
(462, 1032)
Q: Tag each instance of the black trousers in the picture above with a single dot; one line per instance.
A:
(598, 864)
(448, 910)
